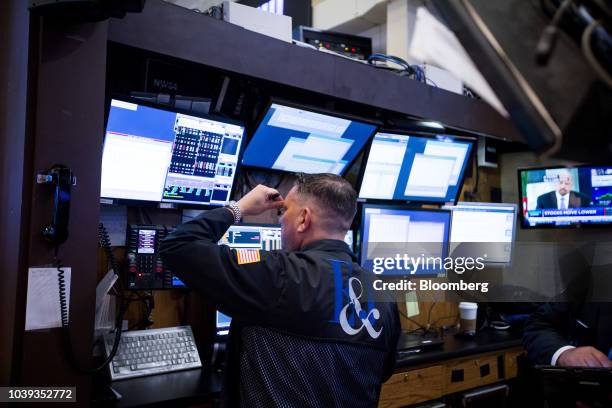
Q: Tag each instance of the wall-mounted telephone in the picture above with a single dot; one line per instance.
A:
(145, 269)
(62, 178)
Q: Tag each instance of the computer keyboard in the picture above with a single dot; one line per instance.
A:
(155, 351)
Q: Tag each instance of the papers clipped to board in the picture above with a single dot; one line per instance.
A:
(43, 300)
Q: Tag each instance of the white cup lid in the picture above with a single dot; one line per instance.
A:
(468, 305)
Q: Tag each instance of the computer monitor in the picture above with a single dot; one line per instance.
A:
(350, 240)
(298, 139)
(390, 232)
(254, 236)
(483, 230)
(563, 197)
(414, 168)
(154, 154)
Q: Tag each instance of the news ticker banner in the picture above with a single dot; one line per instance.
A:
(490, 272)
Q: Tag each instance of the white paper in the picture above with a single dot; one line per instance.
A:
(104, 286)
(43, 301)
(412, 304)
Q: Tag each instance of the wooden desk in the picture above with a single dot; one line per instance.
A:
(460, 365)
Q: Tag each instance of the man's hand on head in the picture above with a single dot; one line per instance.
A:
(583, 357)
(260, 199)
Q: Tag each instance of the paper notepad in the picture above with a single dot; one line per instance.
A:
(43, 302)
(412, 304)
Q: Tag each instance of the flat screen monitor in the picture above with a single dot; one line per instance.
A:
(483, 230)
(562, 197)
(153, 154)
(414, 168)
(396, 240)
(297, 139)
(253, 236)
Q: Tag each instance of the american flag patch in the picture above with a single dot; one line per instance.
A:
(246, 256)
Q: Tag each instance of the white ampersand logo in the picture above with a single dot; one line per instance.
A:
(363, 316)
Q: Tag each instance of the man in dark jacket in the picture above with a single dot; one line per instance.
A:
(306, 329)
(570, 334)
(563, 197)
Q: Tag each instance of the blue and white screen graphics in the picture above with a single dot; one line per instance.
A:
(484, 230)
(156, 155)
(389, 233)
(412, 168)
(298, 140)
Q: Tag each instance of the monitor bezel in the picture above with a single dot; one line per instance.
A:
(171, 204)
(296, 105)
(424, 135)
(483, 204)
(524, 225)
(387, 206)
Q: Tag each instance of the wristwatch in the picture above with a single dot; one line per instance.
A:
(233, 207)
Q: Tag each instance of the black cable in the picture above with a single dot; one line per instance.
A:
(105, 243)
(412, 320)
(585, 42)
(61, 281)
(548, 38)
(65, 322)
(429, 313)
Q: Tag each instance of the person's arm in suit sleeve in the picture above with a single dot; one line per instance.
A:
(256, 286)
(540, 203)
(248, 286)
(545, 334)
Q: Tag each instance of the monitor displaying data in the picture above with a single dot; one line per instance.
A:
(400, 241)
(263, 237)
(558, 197)
(153, 154)
(483, 230)
(300, 140)
(412, 168)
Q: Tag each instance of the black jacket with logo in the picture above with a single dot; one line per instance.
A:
(306, 330)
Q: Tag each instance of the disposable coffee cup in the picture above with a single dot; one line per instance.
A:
(467, 317)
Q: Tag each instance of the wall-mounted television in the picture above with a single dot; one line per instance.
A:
(565, 196)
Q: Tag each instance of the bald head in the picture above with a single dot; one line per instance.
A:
(565, 183)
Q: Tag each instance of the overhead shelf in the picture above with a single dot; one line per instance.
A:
(177, 32)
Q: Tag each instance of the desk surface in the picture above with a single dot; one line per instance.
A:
(485, 341)
(192, 386)
(172, 389)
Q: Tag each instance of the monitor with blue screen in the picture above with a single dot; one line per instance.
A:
(394, 237)
(414, 168)
(153, 154)
(254, 236)
(300, 140)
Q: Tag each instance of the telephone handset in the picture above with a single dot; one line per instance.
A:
(61, 176)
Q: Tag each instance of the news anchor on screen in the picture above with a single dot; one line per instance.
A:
(563, 197)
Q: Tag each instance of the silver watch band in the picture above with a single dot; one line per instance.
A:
(232, 205)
